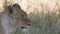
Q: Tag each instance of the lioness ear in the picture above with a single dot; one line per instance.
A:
(10, 9)
(17, 6)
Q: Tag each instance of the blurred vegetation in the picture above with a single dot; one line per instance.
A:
(7, 3)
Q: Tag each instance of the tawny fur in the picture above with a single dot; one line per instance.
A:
(12, 18)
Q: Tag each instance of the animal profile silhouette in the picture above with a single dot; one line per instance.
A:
(12, 18)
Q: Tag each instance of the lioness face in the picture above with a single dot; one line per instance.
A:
(20, 17)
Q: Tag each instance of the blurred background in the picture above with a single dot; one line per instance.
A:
(44, 15)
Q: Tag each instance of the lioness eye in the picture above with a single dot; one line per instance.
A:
(22, 15)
